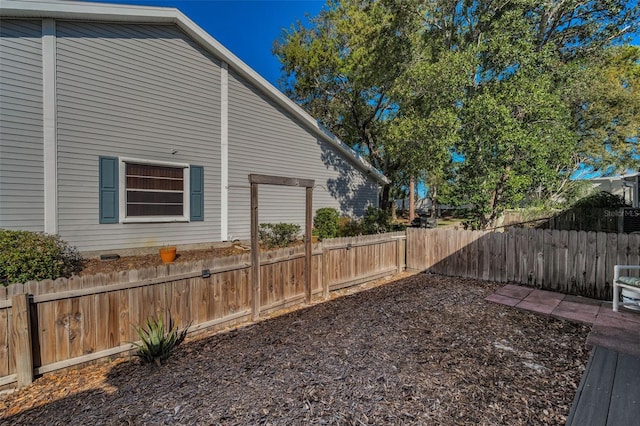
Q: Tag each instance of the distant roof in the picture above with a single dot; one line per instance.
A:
(147, 14)
(626, 176)
(630, 176)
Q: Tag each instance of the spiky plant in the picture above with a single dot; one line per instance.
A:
(158, 342)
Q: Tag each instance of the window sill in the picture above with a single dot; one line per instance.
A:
(155, 219)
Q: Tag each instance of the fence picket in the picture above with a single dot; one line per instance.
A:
(511, 249)
(572, 262)
(4, 335)
(601, 255)
(610, 260)
(581, 261)
(75, 320)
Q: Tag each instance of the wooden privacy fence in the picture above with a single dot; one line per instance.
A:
(573, 262)
(49, 325)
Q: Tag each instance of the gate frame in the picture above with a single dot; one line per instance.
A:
(256, 180)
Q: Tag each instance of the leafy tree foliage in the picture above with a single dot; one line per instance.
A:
(605, 104)
(343, 66)
(494, 103)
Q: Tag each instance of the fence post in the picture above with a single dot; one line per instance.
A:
(21, 338)
(398, 257)
(255, 255)
(308, 224)
(325, 272)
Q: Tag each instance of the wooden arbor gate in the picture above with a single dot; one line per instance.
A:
(256, 180)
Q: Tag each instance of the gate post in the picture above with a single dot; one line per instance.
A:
(255, 255)
(21, 338)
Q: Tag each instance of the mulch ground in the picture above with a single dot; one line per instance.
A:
(96, 266)
(424, 349)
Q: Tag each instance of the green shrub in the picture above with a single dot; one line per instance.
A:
(157, 342)
(394, 226)
(278, 234)
(602, 200)
(34, 256)
(348, 227)
(376, 221)
(326, 223)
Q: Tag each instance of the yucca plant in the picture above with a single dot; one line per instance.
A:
(158, 342)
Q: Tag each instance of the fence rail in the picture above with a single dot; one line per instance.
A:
(48, 325)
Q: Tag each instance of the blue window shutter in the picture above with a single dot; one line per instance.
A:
(109, 190)
(196, 184)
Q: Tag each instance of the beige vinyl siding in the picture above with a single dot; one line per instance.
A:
(21, 132)
(265, 140)
(136, 91)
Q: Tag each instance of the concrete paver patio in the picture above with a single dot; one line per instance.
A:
(607, 395)
(619, 331)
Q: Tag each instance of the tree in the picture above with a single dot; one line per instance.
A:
(342, 68)
(484, 99)
(605, 104)
(516, 136)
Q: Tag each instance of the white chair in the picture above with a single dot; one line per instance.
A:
(622, 281)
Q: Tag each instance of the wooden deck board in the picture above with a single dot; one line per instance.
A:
(591, 404)
(625, 396)
(609, 392)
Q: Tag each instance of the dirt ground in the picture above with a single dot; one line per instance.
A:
(96, 266)
(424, 349)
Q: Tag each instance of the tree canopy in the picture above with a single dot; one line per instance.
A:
(497, 103)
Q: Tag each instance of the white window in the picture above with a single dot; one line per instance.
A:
(153, 191)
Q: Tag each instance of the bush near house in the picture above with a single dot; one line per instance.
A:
(378, 221)
(278, 234)
(601, 199)
(348, 227)
(598, 212)
(34, 256)
(375, 221)
(325, 223)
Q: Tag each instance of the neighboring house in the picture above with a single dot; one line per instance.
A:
(625, 186)
(125, 127)
(421, 205)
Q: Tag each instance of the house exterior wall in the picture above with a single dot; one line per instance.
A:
(73, 92)
(135, 91)
(21, 126)
(613, 185)
(265, 140)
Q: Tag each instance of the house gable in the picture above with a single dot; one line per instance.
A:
(147, 87)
